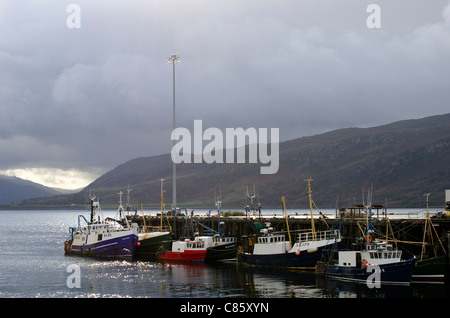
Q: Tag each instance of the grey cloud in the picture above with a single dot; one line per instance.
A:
(102, 94)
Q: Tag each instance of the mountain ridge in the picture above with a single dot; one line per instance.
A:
(353, 158)
(13, 189)
(400, 160)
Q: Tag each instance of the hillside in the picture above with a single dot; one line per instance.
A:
(14, 189)
(402, 160)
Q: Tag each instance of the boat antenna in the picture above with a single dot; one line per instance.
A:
(218, 203)
(120, 201)
(259, 207)
(252, 196)
(92, 198)
(120, 209)
(128, 198)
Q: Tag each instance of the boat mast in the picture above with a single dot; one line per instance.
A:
(162, 202)
(92, 208)
(287, 223)
(369, 231)
(128, 199)
(430, 229)
(425, 229)
(120, 203)
(122, 217)
(310, 206)
(92, 197)
(143, 216)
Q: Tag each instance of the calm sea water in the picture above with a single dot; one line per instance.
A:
(33, 265)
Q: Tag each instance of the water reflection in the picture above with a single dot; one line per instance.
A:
(339, 289)
(39, 269)
(256, 282)
(195, 280)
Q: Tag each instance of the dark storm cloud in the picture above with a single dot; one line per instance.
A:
(102, 94)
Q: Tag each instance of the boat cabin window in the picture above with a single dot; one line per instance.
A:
(271, 239)
(195, 244)
(224, 239)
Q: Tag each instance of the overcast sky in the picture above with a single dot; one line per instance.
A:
(77, 102)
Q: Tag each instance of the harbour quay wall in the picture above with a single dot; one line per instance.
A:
(407, 233)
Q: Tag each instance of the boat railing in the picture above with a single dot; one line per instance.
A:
(149, 228)
(318, 236)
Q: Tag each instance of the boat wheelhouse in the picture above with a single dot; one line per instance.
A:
(184, 251)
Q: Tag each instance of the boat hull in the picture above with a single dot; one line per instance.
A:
(149, 246)
(121, 246)
(393, 273)
(221, 252)
(431, 270)
(185, 256)
(306, 260)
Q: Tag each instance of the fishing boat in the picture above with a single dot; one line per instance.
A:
(149, 242)
(274, 250)
(222, 248)
(184, 250)
(101, 237)
(151, 239)
(376, 263)
(431, 270)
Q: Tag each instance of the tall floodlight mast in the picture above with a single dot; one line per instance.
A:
(174, 58)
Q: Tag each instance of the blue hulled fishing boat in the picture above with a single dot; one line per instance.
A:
(101, 237)
(274, 250)
(377, 262)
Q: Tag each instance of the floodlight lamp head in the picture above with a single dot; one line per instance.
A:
(174, 58)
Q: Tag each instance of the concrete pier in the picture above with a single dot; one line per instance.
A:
(407, 233)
